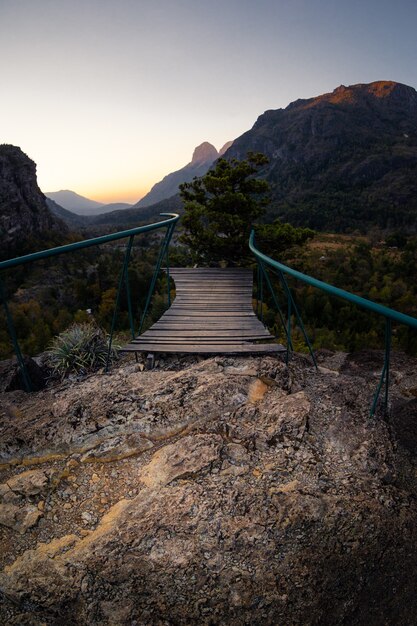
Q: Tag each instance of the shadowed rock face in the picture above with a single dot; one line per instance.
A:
(343, 159)
(220, 491)
(23, 211)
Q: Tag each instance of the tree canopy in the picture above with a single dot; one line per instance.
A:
(222, 206)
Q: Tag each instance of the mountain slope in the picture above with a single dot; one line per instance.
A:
(25, 220)
(74, 202)
(132, 217)
(343, 160)
(203, 157)
(70, 218)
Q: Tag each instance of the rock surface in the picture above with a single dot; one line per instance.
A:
(11, 378)
(24, 215)
(219, 491)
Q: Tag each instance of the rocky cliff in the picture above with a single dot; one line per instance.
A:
(212, 491)
(24, 216)
(203, 157)
(343, 160)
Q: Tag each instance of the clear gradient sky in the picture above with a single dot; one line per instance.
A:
(109, 96)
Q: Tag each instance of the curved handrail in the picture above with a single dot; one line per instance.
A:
(87, 243)
(390, 315)
(380, 309)
(169, 224)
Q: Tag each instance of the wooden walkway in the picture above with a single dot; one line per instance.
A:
(212, 314)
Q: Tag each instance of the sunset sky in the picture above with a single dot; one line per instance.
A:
(107, 97)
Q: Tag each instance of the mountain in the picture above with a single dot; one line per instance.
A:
(114, 206)
(25, 220)
(203, 157)
(72, 219)
(225, 148)
(135, 215)
(341, 161)
(74, 202)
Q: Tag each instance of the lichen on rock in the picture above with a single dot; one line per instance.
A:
(284, 504)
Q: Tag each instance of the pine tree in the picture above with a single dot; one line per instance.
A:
(220, 209)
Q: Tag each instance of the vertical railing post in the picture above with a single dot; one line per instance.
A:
(388, 335)
(119, 289)
(261, 292)
(289, 313)
(162, 252)
(129, 304)
(276, 303)
(257, 288)
(12, 332)
(292, 305)
(385, 374)
(168, 279)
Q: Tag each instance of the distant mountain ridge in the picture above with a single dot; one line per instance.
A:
(342, 160)
(203, 158)
(74, 202)
(82, 206)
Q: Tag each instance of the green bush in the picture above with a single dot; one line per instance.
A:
(80, 349)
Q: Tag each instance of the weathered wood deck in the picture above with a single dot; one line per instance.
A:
(212, 314)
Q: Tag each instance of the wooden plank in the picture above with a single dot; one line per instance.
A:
(214, 323)
(211, 313)
(209, 349)
(207, 332)
(210, 338)
(226, 324)
(180, 341)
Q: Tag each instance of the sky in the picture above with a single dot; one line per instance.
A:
(107, 97)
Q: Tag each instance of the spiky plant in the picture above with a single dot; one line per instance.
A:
(79, 349)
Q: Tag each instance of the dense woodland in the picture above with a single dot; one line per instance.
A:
(379, 271)
(48, 296)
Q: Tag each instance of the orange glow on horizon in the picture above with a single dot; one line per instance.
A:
(130, 196)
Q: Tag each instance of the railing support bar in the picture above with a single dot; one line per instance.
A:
(129, 304)
(261, 292)
(12, 332)
(122, 279)
(276, 303)
(257, 289)
(385, 374)
(292, 305)
(168, 278)
(162, 252)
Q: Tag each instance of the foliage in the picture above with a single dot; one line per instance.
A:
(377, 273)
(46, 297)
(79, 349)
(278, 240)
(220, 208)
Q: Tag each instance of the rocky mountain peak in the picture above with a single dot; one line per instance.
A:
(204, 153)
(342, 160)
(378, 92)
(225, 148)
(24, 214)
(203, 156)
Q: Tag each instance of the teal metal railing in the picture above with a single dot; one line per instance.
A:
(281, 270)
(169, 224)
